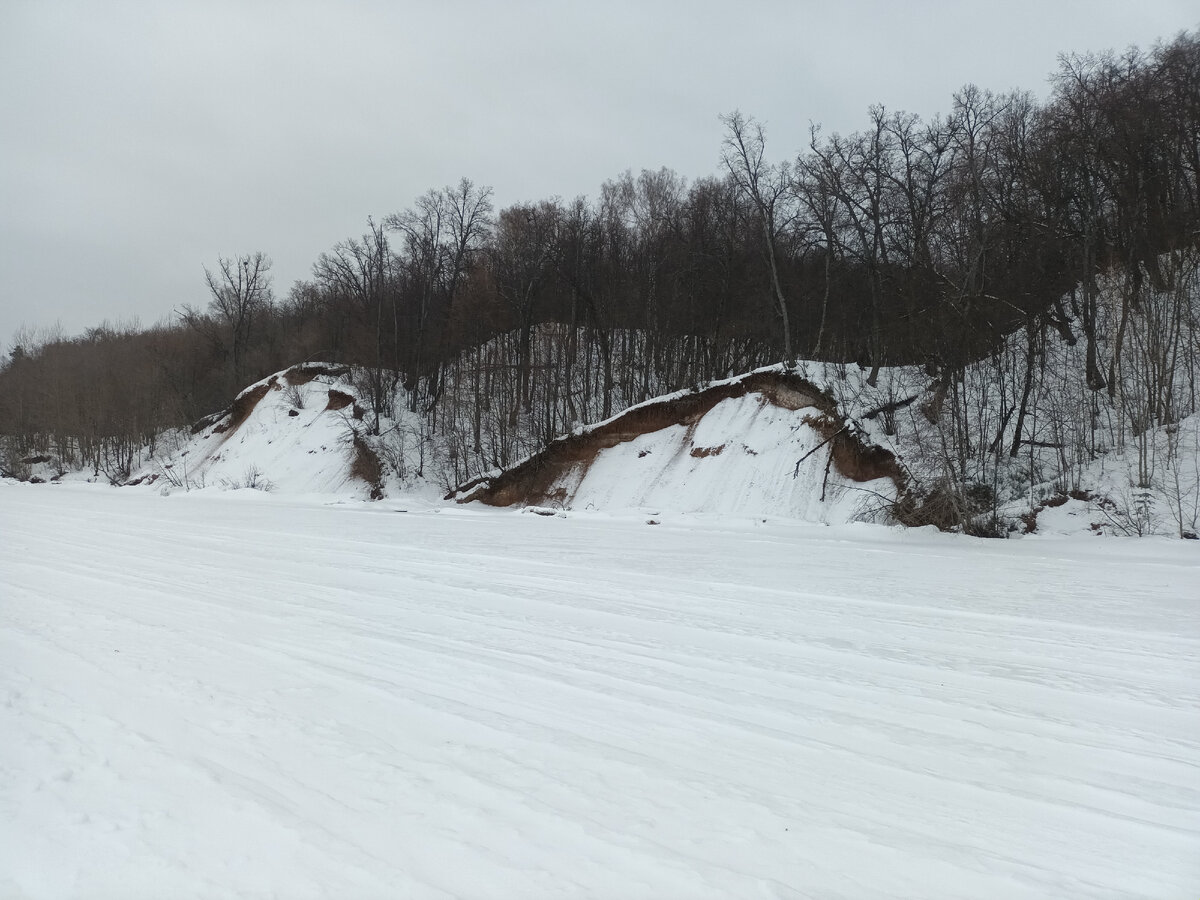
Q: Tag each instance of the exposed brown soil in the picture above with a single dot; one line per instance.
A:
(367, 467)
(306, 372)
(240, 409)
(531, 482)
(201, 424)
(852, 456)
(338, 400)
(704, 452)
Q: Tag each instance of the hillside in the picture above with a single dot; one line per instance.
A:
(293, 432)
(757, 445)
(812, 442)
(747, 446)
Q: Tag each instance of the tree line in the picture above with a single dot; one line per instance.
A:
(930, 242)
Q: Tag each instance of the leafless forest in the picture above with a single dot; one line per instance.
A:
(1036, 264)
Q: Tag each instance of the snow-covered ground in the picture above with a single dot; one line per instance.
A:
(239, 694)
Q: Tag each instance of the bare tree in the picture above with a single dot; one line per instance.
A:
(522, 260)
(240, 289)
(442, 231)
(363, 273)
(768, 187)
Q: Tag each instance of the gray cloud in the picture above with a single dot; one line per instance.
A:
(139, 141)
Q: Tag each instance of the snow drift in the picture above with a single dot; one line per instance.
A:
(766, 443)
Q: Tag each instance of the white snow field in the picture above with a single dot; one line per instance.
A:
(243, 695)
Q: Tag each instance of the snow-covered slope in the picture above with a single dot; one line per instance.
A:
(319, 701)
(1065, 480)
(1151, 486)
(292, 432)
(764, 444)
(739, 459)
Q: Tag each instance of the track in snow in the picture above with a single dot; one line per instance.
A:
(215, 695)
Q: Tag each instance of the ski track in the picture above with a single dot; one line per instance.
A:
(229, 695)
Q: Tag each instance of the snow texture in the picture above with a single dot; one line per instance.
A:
(743, 457)
(292, 441)
(250, 695)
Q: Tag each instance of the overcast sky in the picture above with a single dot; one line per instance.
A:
(140, 141)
